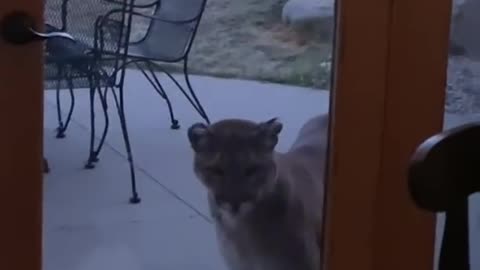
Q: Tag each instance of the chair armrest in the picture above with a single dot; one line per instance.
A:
(445, 168)
(125, 2)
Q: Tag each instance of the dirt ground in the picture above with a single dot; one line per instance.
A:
(463, 86)
(246, 39)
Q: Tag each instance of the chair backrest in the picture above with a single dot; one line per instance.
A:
(80, 19)
(170, 37)
(74, 16)
(444, 172)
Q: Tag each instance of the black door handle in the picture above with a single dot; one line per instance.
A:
(19, 28)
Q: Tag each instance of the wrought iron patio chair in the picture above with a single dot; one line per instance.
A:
(95, 60)
(170, 27)
(443, 174)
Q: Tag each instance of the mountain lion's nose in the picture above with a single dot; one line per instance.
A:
(234, 202)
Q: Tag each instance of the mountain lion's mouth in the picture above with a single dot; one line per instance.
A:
(237, 208)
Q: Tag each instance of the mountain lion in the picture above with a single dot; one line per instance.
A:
(267, 206)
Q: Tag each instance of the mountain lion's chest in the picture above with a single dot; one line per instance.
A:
(261, 241)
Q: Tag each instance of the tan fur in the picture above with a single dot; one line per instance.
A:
(277, 229)
(304, 166)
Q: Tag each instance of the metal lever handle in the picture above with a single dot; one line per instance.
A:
(18, 28)
(43, 36)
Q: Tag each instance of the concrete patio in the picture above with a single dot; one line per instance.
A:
(88, 223)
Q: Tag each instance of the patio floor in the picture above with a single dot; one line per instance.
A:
(88, 223)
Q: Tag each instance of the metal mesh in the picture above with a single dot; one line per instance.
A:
(168, 38)
(66, 59)
(78, 17)
(72, 63)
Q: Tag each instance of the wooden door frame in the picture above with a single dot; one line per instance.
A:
(388, 96)
(21, 103)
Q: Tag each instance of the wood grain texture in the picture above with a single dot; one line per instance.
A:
(21, 102)
(388, 97)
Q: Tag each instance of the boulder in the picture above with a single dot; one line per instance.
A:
(299, 13)
(457, 6)
(464, 33)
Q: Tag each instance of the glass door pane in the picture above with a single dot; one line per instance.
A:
(250, 60)
(463, 97)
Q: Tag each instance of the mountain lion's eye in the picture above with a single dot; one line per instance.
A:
(216, 172)
(250, 171)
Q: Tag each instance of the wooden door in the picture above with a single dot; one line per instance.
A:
(387, 53)
(21, 101)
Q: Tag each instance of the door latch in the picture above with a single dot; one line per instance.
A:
(19, 28)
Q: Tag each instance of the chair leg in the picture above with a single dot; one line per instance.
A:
(155, 82)
(200, 110)
(91, 154)
(61, 129)
(119, 102)
(161, 91)
(193, 99)
(455, 248)
(103, 100)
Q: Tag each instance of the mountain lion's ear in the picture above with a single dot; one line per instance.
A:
(199, 137)
(269, 131)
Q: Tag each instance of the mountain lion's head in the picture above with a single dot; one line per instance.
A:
(234, 159)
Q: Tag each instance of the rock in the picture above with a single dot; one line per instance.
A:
(464, 28)
(456, 6)
(303, 12)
